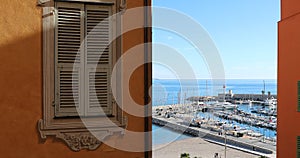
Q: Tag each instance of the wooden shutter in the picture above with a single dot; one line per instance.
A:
(98, 60)
(69, 59)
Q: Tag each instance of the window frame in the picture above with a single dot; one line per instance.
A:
(63, 128)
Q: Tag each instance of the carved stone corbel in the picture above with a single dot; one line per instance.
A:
(79, 141)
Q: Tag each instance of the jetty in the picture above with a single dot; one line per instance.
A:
(235, 98)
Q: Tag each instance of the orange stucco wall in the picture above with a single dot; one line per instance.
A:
(289, 8)
(21, 86)
(288, 75)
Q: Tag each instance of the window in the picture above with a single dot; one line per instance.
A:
(78, 56)
(83, 60)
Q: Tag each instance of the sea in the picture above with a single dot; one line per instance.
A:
(172, 91)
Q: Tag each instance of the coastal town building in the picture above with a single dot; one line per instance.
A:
(53, 78)
(225, 96)
(288, 131)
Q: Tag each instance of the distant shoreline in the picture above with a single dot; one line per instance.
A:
(211, 79)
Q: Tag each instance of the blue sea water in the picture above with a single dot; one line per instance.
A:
(163, 135)
(166, 92)
(172, 91)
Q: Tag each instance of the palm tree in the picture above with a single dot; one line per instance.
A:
(185, 155)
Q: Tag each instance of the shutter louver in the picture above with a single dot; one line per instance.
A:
(69, 33)
(69, 87)
(97, 28)
(98, 60)
(98, 99)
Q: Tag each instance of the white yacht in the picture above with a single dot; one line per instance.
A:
(224, 106)
(270, 102)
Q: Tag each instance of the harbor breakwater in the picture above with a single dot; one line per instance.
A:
(209, 136)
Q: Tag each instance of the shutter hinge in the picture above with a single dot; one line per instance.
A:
(113, 101)
(51, 13)
(53, 103)
(124, 121)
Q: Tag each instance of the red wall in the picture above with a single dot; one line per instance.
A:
(289, 8)
(288, 75)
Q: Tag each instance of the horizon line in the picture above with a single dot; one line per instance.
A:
(153, 78)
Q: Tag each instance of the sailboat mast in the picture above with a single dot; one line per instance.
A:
(224, 87)
(264, 86)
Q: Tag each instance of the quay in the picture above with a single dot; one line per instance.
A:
(182, 119)
(253, 146)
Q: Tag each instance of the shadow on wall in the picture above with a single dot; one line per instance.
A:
(20, 90)
(21, 105)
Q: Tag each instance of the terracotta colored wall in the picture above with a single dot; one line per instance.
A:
(289, 8)
(21, 86)
(288, 75)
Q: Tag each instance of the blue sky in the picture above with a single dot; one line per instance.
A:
(244, 32)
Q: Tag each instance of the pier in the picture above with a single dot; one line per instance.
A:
(231, 97)
(255, 97)
(252, 146)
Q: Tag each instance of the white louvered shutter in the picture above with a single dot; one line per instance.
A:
(69, 59)
(98, 60)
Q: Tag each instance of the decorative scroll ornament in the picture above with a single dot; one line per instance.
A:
(123, 6)
(79, 141)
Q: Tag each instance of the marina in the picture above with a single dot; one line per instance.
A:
(208, 131)
(238, 118)
(247, 119)
(236, 122)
